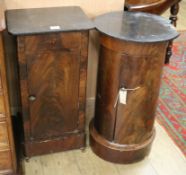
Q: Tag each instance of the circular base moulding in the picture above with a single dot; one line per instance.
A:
(118, 153)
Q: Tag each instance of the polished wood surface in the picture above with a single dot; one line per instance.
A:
(130, 125)
(124, 132)
(8, 164)
(53, 90)
(52, 77)
(151, 6)
(62, 162)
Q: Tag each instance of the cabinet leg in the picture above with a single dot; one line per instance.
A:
(169, 53)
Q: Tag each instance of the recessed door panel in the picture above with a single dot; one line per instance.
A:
(53, 81)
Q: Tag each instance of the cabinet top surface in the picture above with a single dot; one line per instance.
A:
(136, 27)
(47, 20)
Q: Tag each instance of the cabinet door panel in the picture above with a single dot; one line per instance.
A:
(53, 81)
(68, 41)
(4, 144)
(2, 108)
(6, 161)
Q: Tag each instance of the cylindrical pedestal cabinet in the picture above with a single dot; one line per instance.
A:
(132, 54)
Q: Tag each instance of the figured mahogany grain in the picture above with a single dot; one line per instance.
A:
(4, 142)
(135, 65)
(52, 76)
(131, 58)
(53, 70)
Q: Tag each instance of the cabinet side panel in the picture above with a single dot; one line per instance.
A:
(107, 91)
(7, 149)
(83, 79)
(23, 83)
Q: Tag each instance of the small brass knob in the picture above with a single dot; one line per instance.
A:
(32, 98)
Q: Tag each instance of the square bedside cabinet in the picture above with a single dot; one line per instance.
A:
(52, 55)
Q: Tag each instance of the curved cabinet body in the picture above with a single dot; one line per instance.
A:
(128, 84)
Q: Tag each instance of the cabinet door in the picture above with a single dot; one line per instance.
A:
(53, 93)
(53, 84)
(6, 161)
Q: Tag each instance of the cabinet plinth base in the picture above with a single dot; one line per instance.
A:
(69, 142)
(118, 153)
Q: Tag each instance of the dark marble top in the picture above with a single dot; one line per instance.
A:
(45, 20)
(136, 27)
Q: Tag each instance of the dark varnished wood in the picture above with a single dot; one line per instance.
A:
(156, 7)
(55, 74)
(118, 153)
(55, 86)
(123, 133)
(63, 143)
(52, 69)
(150, 6)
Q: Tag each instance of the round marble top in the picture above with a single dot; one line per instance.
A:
(136, 26)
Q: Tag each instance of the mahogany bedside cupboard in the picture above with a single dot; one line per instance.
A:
(8, 163)
(133, 48)
(52, 48)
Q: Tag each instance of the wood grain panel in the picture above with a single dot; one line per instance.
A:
(2, 107)
(106, 95)
(83, 80)
(6, 160)
(69, 142)
(52, 74)
(4, 143)
(142, 69)
(143, 72)
(48, 74)
(53, 78)
(1, 87)
(67, 41)
(150, 6)
(123, 132)
(23, 86)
